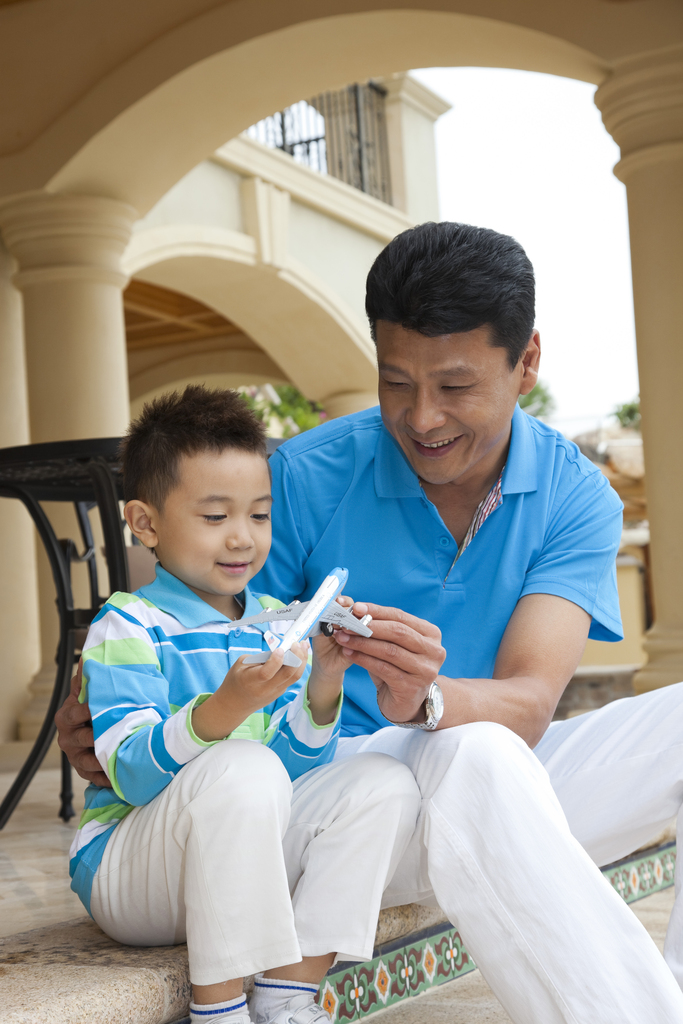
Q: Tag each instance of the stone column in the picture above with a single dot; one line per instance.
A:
(68, 249)
(347, 402)
(411, 111)
(642, 108)
(19, 636)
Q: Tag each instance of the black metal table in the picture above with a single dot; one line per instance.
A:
(84, 473)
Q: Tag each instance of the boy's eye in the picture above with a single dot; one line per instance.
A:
(261, 517)
(215, 519)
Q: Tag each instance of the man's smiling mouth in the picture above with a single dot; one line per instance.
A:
(435, 449)
(437, 444)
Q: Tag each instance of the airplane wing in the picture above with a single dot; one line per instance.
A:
(288, 614)
(338, 616)
(334, 614)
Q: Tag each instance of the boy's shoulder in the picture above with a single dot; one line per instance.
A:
(267, 602)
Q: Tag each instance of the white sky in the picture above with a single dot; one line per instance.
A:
(527, 154)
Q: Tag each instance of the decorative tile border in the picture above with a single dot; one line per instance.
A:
(402, 970)
(643, 874)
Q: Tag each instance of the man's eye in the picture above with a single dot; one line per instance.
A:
(215, 519)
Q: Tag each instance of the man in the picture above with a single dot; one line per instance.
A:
(460, 518)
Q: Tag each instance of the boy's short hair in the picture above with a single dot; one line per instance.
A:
(448, 278)
(172, 425)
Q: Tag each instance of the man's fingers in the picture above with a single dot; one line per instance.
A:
(77, 682)
(395, 634)
(382, 613)
(72, 714)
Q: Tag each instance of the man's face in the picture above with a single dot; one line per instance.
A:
(448, 401)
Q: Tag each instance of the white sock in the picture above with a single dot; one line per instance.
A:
(272, 995)
(219, 1013)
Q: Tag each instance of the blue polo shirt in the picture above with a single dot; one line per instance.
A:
(346, 495)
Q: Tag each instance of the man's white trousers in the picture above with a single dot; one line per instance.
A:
(508, 842)
(216, 855)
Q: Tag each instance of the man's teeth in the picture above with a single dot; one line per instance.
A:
(437, 444)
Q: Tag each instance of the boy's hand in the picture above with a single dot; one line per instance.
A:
(245, 689)
(327, 674)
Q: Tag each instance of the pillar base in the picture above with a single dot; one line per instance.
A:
(664, 664)
(40, 689)
(347, 402)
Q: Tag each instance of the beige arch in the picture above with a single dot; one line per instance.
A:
(299, 323)
(136, 155)
(242, 365)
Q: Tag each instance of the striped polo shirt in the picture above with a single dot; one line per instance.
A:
(149, 659)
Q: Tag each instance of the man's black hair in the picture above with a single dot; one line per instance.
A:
(447, 278)
(172, 425)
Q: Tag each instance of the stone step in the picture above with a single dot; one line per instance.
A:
(71, 973)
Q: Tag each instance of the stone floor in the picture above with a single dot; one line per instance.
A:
(34, 892)
(34, 846)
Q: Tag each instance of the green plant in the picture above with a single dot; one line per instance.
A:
(283, 409)
(539, 401)
(628, 414)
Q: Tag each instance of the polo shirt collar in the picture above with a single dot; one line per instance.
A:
(171, 595)
(395, 477)
(521, 470)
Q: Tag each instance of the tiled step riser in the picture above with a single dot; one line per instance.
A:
(431, 959)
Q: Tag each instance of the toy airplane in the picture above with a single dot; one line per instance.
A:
(309, 618)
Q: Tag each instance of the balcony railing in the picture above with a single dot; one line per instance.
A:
(340, 133)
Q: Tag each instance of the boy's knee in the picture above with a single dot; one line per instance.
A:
(382, 776)
(249, 771)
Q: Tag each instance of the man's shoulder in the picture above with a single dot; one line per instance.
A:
(352, 434)
(570, 467)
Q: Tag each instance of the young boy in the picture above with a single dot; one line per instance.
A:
(268, 858)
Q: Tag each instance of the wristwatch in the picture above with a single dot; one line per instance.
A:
(433, 705)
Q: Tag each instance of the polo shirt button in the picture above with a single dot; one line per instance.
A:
(444, 542)
(236, 632)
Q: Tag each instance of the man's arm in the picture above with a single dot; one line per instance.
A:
(75, 735)
(539, 652)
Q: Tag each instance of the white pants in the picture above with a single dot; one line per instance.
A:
(215, 857)
(508, 841)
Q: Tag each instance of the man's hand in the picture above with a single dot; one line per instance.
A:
(403, 658)
(75, 735)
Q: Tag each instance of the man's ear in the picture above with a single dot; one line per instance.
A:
(139, 516)
(530, 363)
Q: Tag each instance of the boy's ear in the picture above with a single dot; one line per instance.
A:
(138, 515)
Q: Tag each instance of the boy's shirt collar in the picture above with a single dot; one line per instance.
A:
(171, 595)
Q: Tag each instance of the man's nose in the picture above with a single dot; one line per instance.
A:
(425, 415)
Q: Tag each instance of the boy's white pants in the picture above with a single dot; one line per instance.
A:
(508, 841)
(216, 855)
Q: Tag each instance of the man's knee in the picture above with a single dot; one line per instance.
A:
(482, 745)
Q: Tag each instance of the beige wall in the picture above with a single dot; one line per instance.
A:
(628, 651)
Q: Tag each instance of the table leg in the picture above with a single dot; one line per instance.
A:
(65, 652)
(66, 796)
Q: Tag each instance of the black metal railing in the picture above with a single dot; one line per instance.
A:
(340, 133)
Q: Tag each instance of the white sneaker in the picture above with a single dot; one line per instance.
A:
(242, 1018)
(297, 1011)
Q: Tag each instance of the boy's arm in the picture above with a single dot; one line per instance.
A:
(139, 742)
(294, 735)
(307, 720)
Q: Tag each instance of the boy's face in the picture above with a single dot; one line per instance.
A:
(214, 531)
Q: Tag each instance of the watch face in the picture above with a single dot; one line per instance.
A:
(435, 699)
